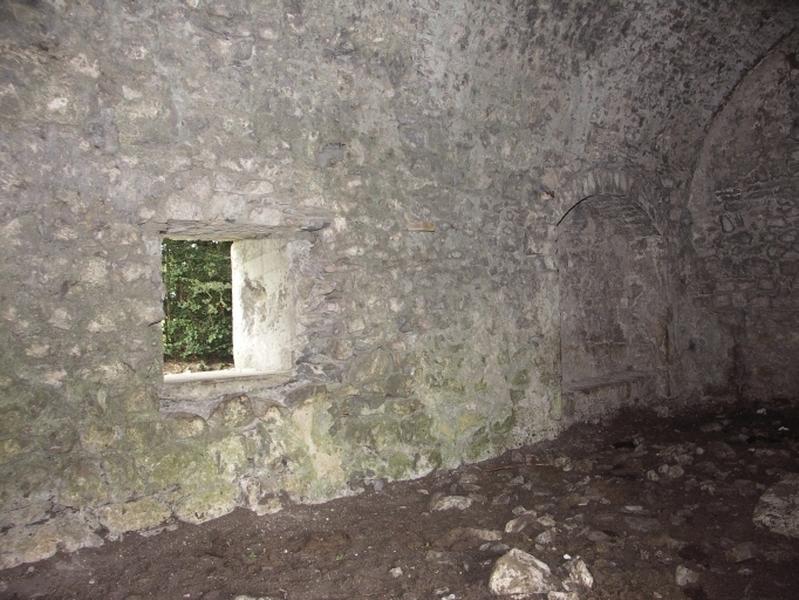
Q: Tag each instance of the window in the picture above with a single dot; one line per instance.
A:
(198, 322)
(228, 307)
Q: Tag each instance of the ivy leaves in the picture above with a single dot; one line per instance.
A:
(197, 304)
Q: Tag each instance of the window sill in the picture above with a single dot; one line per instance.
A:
(199, 393)
(217, 376)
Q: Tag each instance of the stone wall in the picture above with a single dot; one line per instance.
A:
(742, 249)
(414, 158)
(614, 301)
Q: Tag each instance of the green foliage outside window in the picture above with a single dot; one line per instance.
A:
(198, 300)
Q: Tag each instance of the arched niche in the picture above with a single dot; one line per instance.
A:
(614, 307)
(740, 313)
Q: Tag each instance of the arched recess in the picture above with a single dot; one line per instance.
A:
(615, 315)
(739, 312)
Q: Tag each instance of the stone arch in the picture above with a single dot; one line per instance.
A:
(605, 181)
(738, 247)
(613, 308)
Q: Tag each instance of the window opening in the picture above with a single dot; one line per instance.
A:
(229, 308)
(198, 306)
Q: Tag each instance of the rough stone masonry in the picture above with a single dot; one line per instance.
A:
(497, 218)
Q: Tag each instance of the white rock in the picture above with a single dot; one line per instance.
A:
(494, 547)
(519, 523)
(742, 552)
(396, 572)
(545, 537)
(451, 502)
(520, 575)
(579, 573)
(563, 596)
(466, 534)
(684, 576)
(546, 521)
(778, 508)
(676, 471)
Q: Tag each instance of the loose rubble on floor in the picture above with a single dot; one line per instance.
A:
(700, 507)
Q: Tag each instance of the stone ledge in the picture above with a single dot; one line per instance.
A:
(200, 393)
(591, 384)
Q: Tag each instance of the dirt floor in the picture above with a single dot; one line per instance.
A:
(636, 499)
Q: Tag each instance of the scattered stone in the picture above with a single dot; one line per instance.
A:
(545, 537)
(721, 450)
(685, 577)
(579, 574)
(642, 524)
(711, 427)
(520, 523)
(546, 521)
(502, 499)
(520, 574)
(598, 537)
(520, 510)
(563, 596)
(778, 507)
(494, 547)
(479, 498)
(437, 556)
(396, 572)
(671, 471)
(451, 502)
(467, 536)
(564, 463)
(708, 487)
(662, 411)
(742, 552)
(484, 535)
